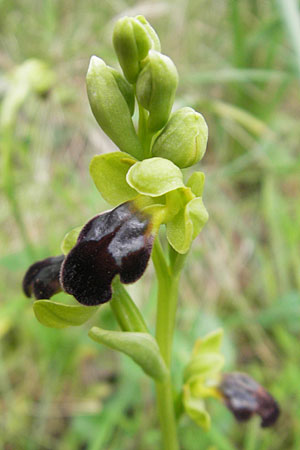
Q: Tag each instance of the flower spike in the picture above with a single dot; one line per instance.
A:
(116, 242)
(42, 278)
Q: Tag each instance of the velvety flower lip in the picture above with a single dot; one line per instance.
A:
(42, 278)
(115, 242)
(245, 397)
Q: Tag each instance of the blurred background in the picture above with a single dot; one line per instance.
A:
(239, 65)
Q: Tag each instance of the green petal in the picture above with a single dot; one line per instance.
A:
(109, 174)
(204, 365)
(154, 177)
(211, 343)
(195, 408)
(196, 183)
(58, 315)
(70, 240)
(141, 347)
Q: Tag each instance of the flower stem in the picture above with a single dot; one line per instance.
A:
(167, 296)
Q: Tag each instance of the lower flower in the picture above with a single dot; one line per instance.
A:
(117, 242)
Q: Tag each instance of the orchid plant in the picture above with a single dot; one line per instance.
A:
(147, 190)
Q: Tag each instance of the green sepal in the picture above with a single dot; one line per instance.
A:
(70, 240)
(187, 224)
(155, 88)
(110, 107)
(154, 177)
(180, 231)
(196, 183)
(109, 175)
(210, 343)
(204, 365)
(198, 214)
(58, 315)
(195, 408)
(141, 347)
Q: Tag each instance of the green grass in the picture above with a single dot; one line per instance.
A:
(239, 65)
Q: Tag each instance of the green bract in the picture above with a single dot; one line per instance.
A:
(133, 37)
(141, 347)
(156, 87)
(109, 174)
(184, 138)
(110, 107)
(154, 177)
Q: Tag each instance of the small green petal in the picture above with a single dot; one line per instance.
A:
(154, 177)
(180, 231)
(109, 174)
(70, 240)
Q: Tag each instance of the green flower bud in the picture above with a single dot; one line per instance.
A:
(133, 37)
(156, 87)
(109, 104)
(184, 138)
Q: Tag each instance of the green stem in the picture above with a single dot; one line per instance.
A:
(167, 296)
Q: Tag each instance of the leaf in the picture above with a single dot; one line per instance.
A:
(195, 408)
(154, 177)
(196, 183)
(58, 315)
(70, 240)
(141, 347)
(109, 175)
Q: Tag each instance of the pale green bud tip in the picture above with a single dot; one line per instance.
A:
(133, 37)
(183, 140)
(156, 87)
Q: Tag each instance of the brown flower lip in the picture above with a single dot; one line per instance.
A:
(42, 278)
(115, 242)
(245, 397)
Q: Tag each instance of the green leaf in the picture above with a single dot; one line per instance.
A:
(195, 408)
(141, 347)
(109, 175)
(58, 315)
(198, 214)
(154, 177)
(70, 240)
(196, 183)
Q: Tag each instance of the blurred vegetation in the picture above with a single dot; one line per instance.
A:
(239, 64)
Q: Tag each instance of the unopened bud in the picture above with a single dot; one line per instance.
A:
(133, 37)
(111, 101)
(184, 138)
(156, 87)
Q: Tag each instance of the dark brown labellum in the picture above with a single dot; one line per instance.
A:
(245, 397)
(116, 242)
(42, 278)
